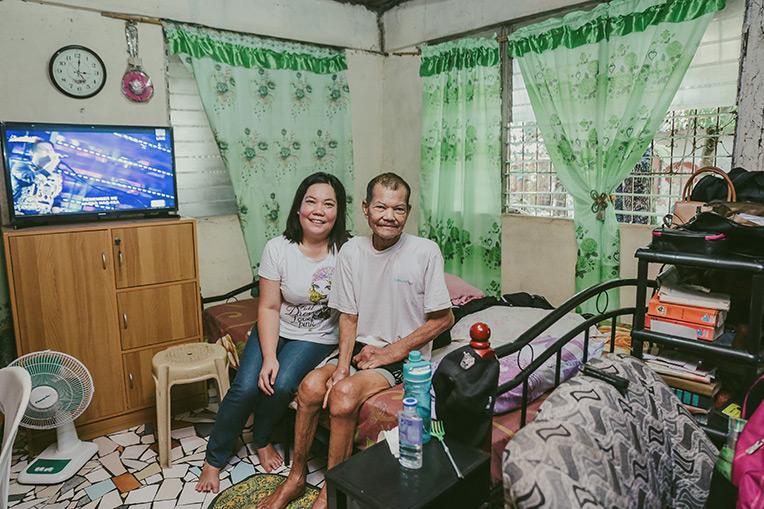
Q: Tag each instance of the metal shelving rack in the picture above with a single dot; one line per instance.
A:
(751, 356)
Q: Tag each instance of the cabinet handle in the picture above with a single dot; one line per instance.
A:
(130, 380)
(121, 258)
(124, 320)
(103, 260)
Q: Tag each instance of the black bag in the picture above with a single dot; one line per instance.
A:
(749, 186)
(465, 393)
(708, 242)
(742, 239)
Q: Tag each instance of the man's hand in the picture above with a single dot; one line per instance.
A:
(339, 374)
(371, 357)
(268, 375)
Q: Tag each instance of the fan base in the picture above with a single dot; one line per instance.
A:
(53, 467)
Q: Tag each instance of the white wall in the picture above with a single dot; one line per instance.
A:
(317, 21)
(29, 35)
(419, 21)
(402, 125)
(539, 256)
(365, 78)
(31, 32)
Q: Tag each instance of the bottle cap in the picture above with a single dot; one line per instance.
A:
(415, 355)
(409, 402)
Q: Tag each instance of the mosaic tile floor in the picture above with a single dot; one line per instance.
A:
(126, 473)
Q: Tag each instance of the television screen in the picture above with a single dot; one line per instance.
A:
(67, 170)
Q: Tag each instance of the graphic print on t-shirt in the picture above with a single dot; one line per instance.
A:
(308, 316)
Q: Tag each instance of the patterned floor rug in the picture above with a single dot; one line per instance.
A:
(247, 493)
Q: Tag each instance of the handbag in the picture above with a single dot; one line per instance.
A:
(748, 463)
(686, 208)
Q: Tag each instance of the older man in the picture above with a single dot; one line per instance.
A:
(391, 292)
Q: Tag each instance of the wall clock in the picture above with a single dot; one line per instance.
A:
(77, 71)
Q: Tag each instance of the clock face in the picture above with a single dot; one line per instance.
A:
(77, 72)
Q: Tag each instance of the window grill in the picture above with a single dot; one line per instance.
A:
(687, 140)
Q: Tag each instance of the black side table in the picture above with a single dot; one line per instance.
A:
(373, 478)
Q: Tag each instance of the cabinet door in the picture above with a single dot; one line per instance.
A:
(64, 291)
(158, 314)
(140, 381)
(149, 255)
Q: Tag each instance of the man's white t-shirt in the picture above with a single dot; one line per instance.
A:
(305, 286)
(390, 291)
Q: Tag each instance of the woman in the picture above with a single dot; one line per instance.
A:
(295, 328)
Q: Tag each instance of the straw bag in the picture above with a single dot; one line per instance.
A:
(686, 209)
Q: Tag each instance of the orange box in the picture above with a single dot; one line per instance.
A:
(690, 314)
(683, 329)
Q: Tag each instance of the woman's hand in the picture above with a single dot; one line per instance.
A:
(268, 375)
(339, 374)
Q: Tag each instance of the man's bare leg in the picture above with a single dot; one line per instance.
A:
(345, 400)
(310, 396)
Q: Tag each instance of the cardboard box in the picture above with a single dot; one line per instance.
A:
(688, 314)
(683, 329)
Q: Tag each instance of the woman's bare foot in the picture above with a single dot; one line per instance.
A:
(209, 480)
(293, 487)
(322, 501)
(269, 457)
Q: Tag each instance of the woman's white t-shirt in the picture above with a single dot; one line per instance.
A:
(305, 286)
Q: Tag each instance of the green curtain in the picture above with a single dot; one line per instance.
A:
(460, 183)
(600, 83)
(279, 112)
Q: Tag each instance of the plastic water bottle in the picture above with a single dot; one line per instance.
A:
(417, 380)
(410, 435)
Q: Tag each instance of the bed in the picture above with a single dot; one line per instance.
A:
(538, 349)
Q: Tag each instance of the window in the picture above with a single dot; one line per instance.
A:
(204, 186)
(697, 131)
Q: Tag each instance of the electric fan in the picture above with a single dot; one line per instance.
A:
(61, 390)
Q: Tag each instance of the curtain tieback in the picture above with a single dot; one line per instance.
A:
(600, 203)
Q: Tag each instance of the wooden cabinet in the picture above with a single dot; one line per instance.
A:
(110, 294)
(144, 313)
(154, 254)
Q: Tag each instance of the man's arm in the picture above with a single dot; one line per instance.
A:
(373, 357)
(348, 331)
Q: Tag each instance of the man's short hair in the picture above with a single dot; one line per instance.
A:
(388, 180)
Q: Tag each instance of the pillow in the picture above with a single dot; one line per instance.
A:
(460, 291)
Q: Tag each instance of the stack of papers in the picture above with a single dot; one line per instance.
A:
(679, 365)
(692, 296)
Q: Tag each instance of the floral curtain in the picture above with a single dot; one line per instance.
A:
(600, 83)
(461, 158)
(279, 111)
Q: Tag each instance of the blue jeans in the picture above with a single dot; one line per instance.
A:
(296, 358)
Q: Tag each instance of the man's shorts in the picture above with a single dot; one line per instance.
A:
(393, 373)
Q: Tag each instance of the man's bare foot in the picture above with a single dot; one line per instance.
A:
(322, 500)
(269, 457)
(289, 490)
(209, 480)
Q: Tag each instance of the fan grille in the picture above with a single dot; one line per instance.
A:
(67, 376)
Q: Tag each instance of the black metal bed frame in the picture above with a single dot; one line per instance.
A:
(556, 349)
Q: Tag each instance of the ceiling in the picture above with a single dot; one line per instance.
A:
(378, 6)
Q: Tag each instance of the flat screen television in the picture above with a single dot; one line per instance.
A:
(57, 173)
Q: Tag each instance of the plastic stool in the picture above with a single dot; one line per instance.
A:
(184, 364)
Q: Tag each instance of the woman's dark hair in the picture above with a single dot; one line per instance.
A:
(339, 234)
